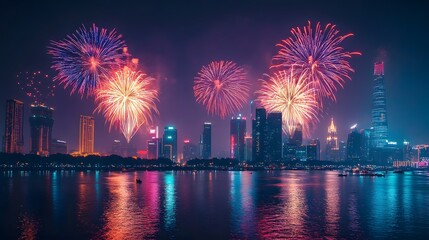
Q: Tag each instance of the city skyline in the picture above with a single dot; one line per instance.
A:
(176, 97)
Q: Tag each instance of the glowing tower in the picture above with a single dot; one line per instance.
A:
(86, 134)
(332, 149)
(379, 112)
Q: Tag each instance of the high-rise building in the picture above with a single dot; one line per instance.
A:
(293, 145)
(248, 152)
(332, 147)
(354, 145)
(343, 150)
(259, 132)
(116, 147)
(237, 134)
(406, 151)
(296, 138)
(86, 135)
(379, 111)
(170, 143)
(366, 143)
(189, 150)
(14, 127)
(274, 136)
(41, 123)
(313, 150)
(58, 147)
(154, 144)
(206, 141)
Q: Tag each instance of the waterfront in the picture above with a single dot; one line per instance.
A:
(215, 204)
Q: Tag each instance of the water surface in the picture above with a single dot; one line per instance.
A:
(212, 204)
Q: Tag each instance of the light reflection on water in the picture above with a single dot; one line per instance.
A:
(237, 205)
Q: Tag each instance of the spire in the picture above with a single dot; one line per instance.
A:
(332, 127)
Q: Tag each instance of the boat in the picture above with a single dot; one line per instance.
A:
(379, 175)
(138, 181)
(343, 174)
(398, 171)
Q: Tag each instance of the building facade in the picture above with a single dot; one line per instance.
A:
(206, 141)
(86, 135)
(170, 143)
(259, 132)
(190, 150)
(14, 127)
(332, 152)
(354, 145)
(379, 111)
(274, 136)
(41, 123)
(237, 134)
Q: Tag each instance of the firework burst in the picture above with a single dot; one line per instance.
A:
(127, 100)
(291, 95)
(222, 88)
(81, 59)
(318, 55)
(37, 86)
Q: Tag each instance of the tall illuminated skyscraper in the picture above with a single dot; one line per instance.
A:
(41, 123)
(170, 143)
(14, 127)
(237, 134)
(259, 135)
(206, 141)
(274, 136)
(332, 147)
(86, 134)
(189, 150)
(154, 144)
(379, 112)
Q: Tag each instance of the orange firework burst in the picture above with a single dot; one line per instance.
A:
(222, 88)
(127, 100)
(291, 95)
(317, 54)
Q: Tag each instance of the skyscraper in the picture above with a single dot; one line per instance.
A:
(14, 127)
(379, 112)
(354, 145)
(41, 123)
(296, 138)
(189, 150)
(154, 144)
(274, 136)
(343, 150)
(248, 152)
(86, 134)
(170, 143)
(259, 132)
(313, 150)
(332, 148)
(206, 141)
(237, 134)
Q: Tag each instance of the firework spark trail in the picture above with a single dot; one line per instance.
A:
(81, 59)
(222, 88)
(127, 100)
(36, 85)
(291, 95)
(317, 54)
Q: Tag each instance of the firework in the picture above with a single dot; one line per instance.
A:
(127, 100)
(318, 55)
(291, 95)
(221, 87)
(81, 59)
(37, 86)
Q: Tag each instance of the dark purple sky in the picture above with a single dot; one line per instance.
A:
(174, 39)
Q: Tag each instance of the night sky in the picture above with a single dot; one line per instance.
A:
(174, 39)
